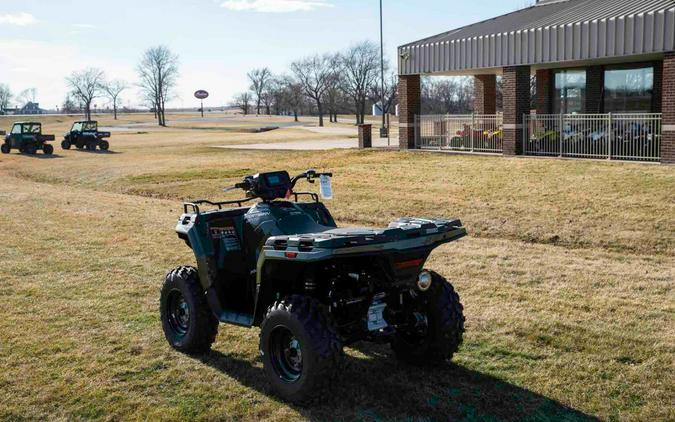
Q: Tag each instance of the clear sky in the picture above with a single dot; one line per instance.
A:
(218, 41)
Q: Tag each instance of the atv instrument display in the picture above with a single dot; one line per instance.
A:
(283, 265)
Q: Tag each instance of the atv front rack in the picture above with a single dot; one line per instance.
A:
(194, 205)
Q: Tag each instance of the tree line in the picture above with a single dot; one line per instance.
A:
(323, 84)
(157, 75)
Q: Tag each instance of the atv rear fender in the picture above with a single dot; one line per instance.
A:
(403, 248)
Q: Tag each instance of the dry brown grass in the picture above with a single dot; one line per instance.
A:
(567, 280)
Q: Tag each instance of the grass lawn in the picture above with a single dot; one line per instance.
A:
(567, 280)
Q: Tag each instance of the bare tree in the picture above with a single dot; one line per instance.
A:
(259, 79)
(269, 95)
(5, 97)
(113, 89)
(390, 97)
(447, 95)
(360, 65)
(69, 105)
(293, 97)
(243, 102)
(315, 75)
(158, 71)
(336, 99)
(27, 96)
(85, 86)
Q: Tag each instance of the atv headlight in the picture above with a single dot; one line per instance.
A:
(424, 281)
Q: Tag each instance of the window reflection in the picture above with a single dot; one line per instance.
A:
(570, 91)
(629, 90)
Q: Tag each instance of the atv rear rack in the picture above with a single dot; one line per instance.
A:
(194, 205)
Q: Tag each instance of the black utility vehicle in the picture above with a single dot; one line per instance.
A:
(27, 137)
(85, 134)
(312, 288)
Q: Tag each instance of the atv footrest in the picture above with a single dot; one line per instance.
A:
(237, 318)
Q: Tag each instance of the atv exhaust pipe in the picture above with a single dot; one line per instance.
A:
(424, 281)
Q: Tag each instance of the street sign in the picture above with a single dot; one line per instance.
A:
(201, 94)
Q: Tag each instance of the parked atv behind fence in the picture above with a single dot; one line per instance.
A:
(85, 134)
(311, 287)
(27, 137)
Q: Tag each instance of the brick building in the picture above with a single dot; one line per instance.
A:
(605, 81)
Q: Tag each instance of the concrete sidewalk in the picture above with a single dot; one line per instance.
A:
(313, 145)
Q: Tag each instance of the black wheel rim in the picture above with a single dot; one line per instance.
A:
(285, 354)
(417, 331)
(178, 312)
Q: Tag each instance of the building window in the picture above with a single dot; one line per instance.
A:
(629, 90)
(570, 91)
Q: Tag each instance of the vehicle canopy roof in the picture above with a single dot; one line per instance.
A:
(87, 121)
(28, 123)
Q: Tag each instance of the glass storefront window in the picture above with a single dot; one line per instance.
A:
(570, 91)
(629, 90)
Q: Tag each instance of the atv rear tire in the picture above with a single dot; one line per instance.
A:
(47, 149)
(65, 144)
(5, 148)
(443, 311)
(188, 323)
(300, 349)
(104, 145)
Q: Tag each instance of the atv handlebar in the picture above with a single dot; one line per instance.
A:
(310, 175)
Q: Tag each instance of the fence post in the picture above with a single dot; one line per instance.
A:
(417, 129)
(610, 120)
(560, 134)
(473, 123)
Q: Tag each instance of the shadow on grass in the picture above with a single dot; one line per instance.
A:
(383, 390)
(98, 151)
(40, 156)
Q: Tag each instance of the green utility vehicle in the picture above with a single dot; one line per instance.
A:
(282, 264)
(85, 134)
(27, 137)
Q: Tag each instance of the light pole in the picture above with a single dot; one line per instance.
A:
(384, 130)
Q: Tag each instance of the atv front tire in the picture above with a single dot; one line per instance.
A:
(188, 323)
(65, 144)
(5, 148)
(441, 336)
(300, 349)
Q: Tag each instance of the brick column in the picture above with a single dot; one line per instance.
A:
(595, 82)
(668, 109)
(516, 93)
(657, 93)
(409, 91)
(485, 94)
(365, 136)
(544, 91)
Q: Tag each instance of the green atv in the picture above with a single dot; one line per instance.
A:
(27, 137)
(282, 264)
(85, 134)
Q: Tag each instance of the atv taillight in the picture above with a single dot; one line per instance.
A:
(402, 265)
(291, 255)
